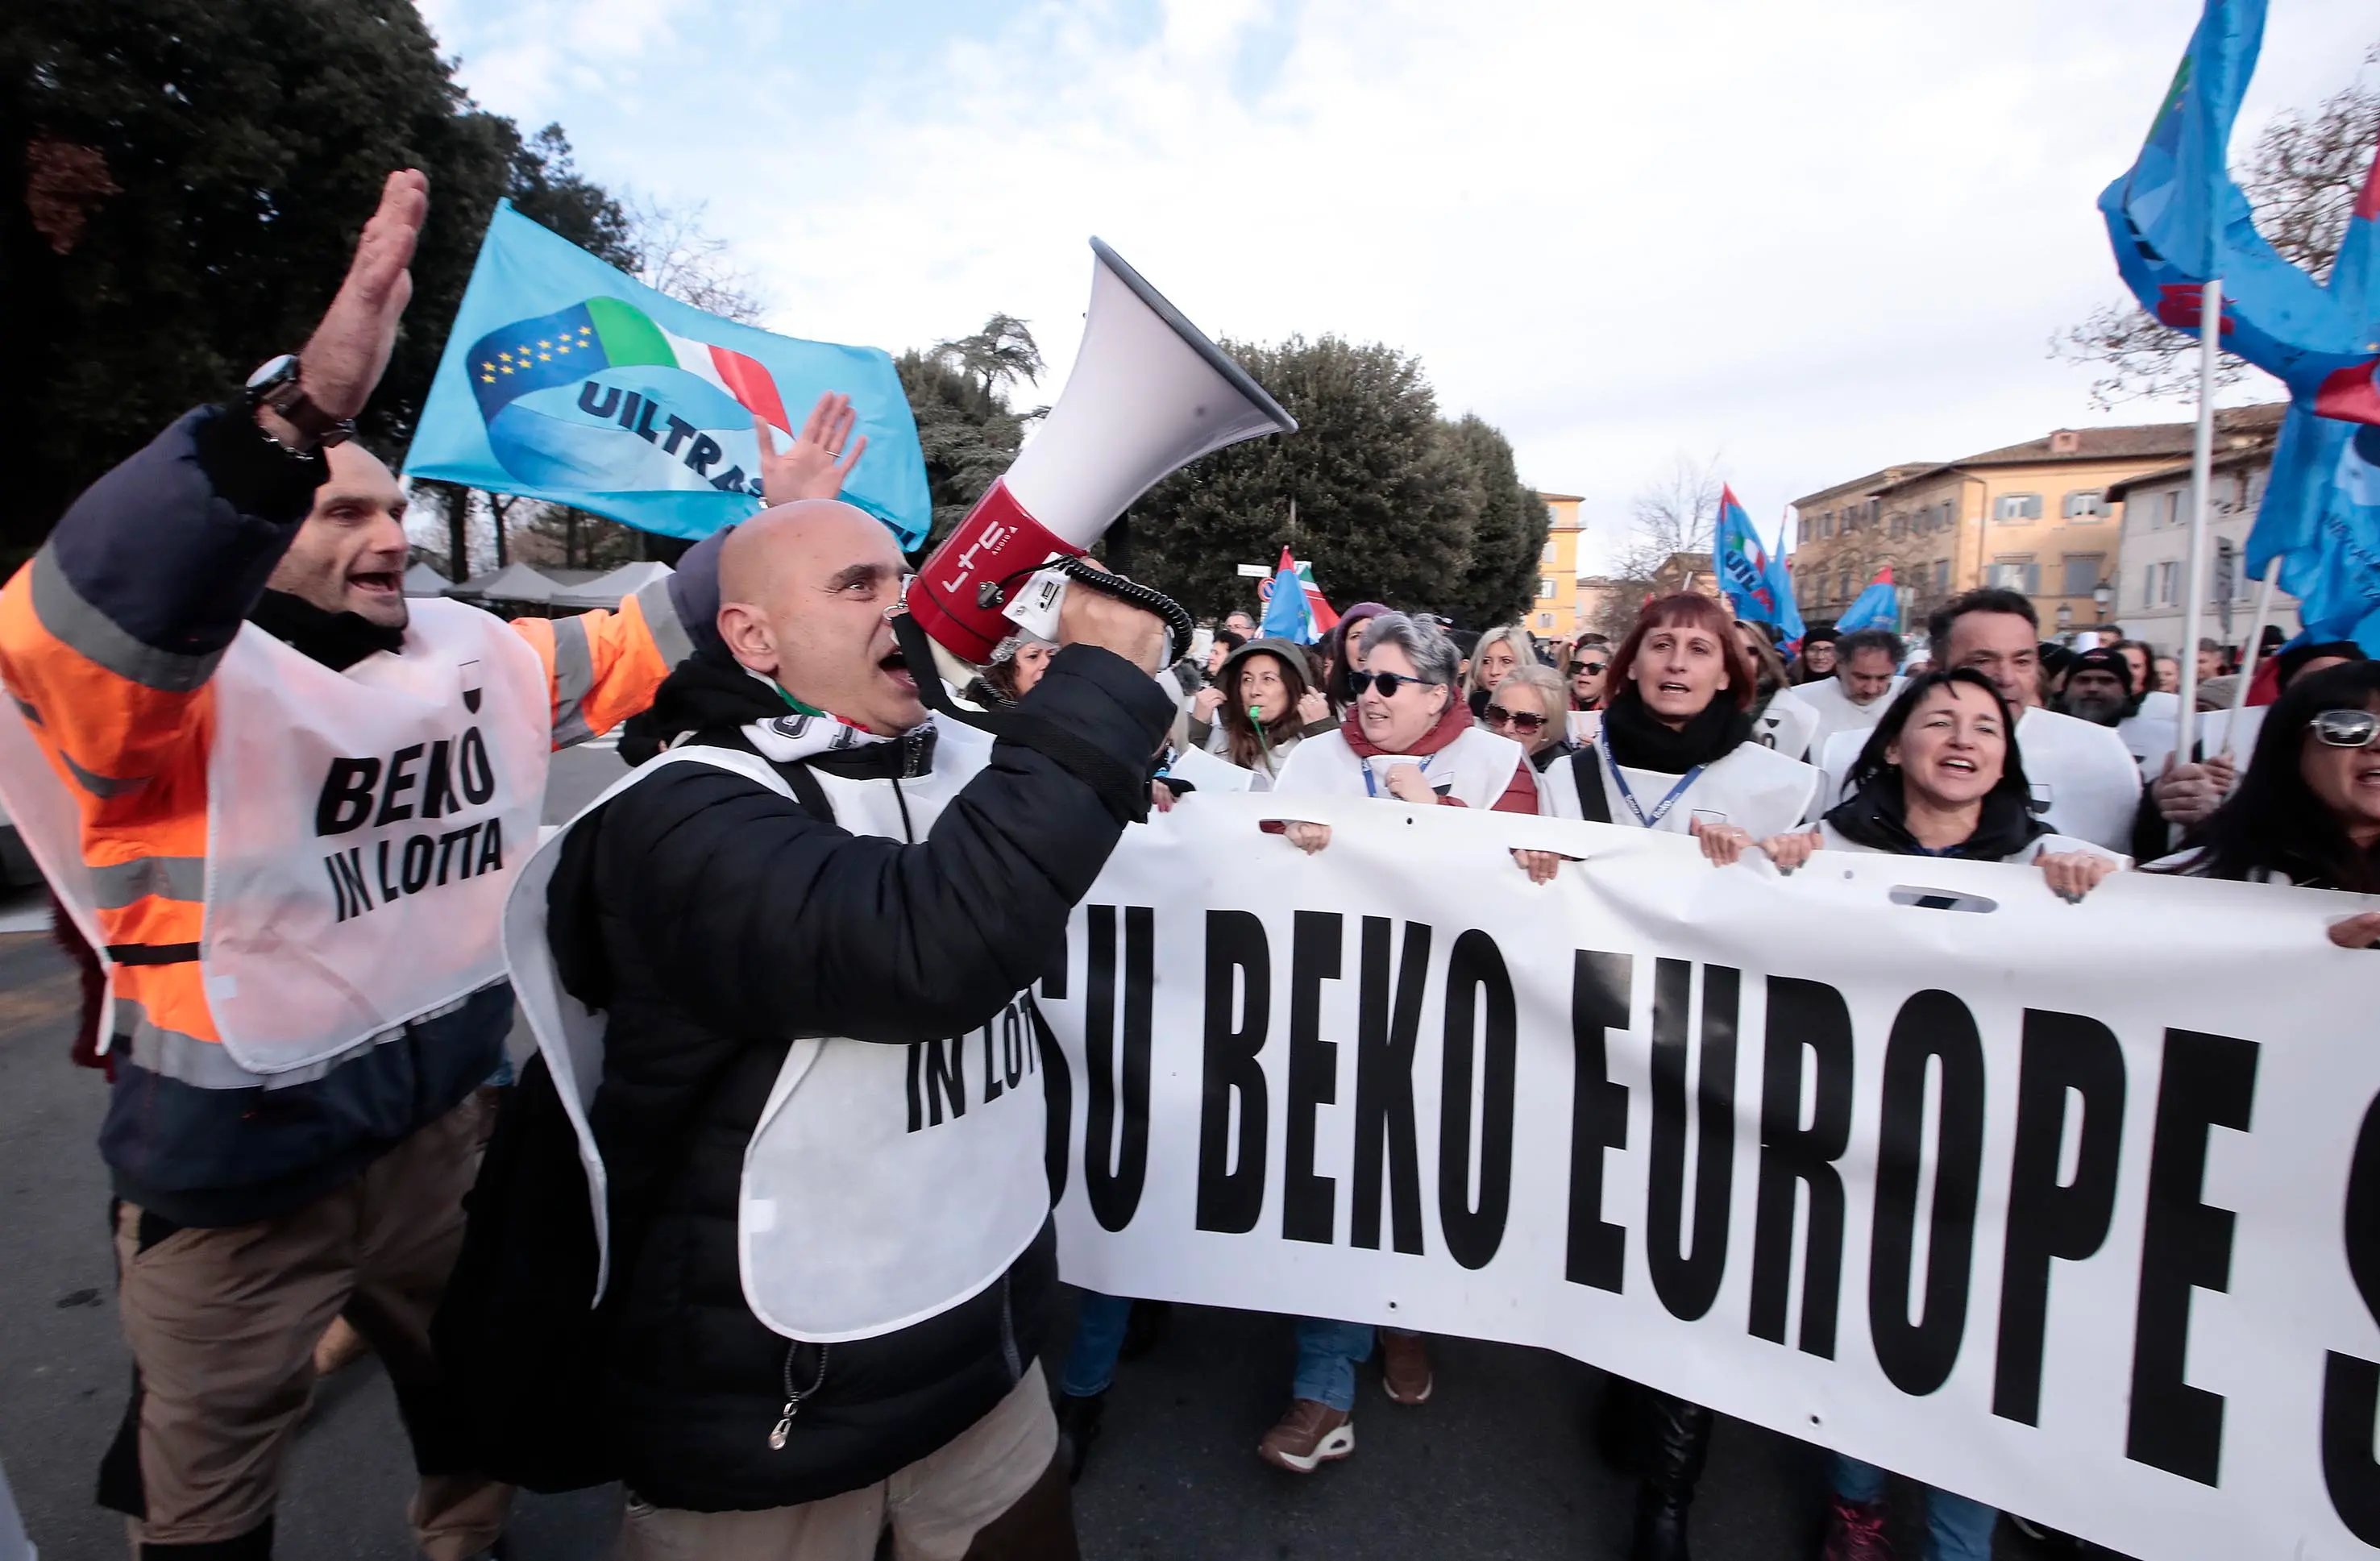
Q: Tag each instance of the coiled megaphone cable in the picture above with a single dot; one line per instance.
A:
(1124, 791)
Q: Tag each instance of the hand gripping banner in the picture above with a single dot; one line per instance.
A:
(2072, 1209)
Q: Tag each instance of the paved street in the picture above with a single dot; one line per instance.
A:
(1499, 1464)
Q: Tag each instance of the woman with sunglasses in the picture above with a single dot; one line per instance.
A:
(1408, 739)
(1528, 707)
(2307, 812)
(1677, 750)
(1585, 665)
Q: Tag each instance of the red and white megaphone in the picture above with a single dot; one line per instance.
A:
(1148, 393)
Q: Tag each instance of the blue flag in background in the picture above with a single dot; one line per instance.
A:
(1757, 584)
(2176, 219)
(1878, 607)
(565, 379)
(1286, 615)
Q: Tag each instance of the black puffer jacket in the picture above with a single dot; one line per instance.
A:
(727, 919)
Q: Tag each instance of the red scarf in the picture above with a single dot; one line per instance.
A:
(1451, 725)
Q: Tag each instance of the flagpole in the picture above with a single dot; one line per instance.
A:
(2247, 662)
(2202, 470)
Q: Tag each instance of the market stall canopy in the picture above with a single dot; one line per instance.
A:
(611, 590)
(513, 582)
(423, 580)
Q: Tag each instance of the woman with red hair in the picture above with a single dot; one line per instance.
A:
(1676, 749)
(1676, 752)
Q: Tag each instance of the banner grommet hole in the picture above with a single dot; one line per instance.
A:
(1941, 899)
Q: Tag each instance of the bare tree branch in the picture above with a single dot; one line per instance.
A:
(678, 257)
(1678, 513)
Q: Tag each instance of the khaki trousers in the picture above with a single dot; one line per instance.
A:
(993, 1493)
(222, 1323)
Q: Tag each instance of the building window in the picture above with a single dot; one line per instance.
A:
(2081, 574)
(2169, 583)
(2017, 506)
(2170, 506)
(1826, 524)
(1802, 530)
(2019, 572)
(1545, 587)
(1897, 525)
(2084, 503)
(1941, 576)
(1545, 620)
(1547, 556)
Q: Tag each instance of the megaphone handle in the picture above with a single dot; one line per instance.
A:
(1123, 792)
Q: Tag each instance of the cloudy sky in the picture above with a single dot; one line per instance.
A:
(1810, 239)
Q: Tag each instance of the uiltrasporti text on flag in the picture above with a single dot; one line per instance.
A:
(2074, 1209)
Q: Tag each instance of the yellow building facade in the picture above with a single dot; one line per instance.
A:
(1555, 613)
(2037, 517)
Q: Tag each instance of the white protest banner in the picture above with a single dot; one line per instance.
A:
(2064, 1207)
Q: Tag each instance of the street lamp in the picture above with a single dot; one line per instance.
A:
(2065, 619)
(2103, 596)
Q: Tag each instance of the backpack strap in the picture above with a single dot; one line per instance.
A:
(1586, 773)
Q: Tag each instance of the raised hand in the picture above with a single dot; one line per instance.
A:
(816, 463)
(1407, 783)
(345, 355)
(1312, 707)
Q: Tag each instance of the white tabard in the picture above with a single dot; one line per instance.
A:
(2085, 782)
(1837, 713)
(1785, 724)
(1474, 769)
(363, 827)
(870, 1201)
(1758, 789)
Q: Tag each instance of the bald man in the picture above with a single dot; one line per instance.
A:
(288, 806)
(801, 939)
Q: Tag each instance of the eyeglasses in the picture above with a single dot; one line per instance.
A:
(1387, 683)
(2347, 728)
(1596, 667)
(1521, 721)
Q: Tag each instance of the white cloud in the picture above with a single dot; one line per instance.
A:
(1818, 238)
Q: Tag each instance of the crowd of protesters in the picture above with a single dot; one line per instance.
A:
(806, 860)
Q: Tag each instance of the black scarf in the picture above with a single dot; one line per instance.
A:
(338, 640)
(1637, 740)
(1877, 818)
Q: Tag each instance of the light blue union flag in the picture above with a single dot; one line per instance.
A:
(565, 379)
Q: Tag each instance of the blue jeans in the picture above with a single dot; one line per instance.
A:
(1098, 1339)
(1327, 1354)
(1957, 1529)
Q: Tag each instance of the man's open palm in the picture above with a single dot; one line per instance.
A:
(345, 358)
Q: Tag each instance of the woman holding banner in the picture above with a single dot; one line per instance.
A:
(1938, 777)
(1677, 749)
(1408, 738)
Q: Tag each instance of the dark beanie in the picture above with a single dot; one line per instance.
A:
(2102, 660)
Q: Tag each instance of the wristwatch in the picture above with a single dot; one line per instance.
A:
(274, 385)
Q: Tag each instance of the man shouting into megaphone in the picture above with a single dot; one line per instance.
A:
(804, 934)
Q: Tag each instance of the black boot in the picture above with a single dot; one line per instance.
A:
(1677, 1439)
(1147, 1328)
(1078, 1427)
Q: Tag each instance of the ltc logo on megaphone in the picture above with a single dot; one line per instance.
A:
(1148, 393)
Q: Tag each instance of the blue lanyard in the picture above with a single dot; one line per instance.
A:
(1371, 790)
(1661, 809)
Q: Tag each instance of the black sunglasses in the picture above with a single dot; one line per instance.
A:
(1388, 683)
(1523, 721)
(2347, 728)
(1578, 667)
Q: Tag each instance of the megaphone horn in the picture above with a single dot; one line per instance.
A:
(1148, 393)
